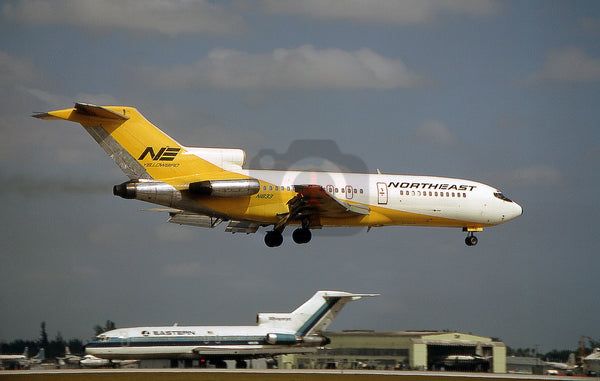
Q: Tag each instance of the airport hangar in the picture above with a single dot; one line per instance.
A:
(418, 350)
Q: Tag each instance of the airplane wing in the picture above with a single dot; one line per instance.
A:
(313, 202)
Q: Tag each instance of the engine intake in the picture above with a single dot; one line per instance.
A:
(225, 188)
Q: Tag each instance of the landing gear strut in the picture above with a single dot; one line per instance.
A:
(471, 240)
(273, 238)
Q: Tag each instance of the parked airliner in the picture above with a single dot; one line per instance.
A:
(299, 331)
(206, 186)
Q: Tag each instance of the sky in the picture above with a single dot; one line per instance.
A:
(502, 92)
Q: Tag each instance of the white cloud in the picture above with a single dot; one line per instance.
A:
(170, 17)
(301, 68)
(399, 12)
(571, 64)
(436, 132)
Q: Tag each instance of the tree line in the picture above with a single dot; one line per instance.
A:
(54, 348)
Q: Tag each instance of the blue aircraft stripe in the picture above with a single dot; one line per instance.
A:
(173, 342)
(310, 323)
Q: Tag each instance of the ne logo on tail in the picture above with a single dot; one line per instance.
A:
(163, 154)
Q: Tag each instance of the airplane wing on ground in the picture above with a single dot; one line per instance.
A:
(313, 202)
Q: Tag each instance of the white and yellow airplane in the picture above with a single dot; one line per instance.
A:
(206, 186)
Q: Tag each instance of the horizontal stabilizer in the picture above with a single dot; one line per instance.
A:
(98, 111)
(85, 110)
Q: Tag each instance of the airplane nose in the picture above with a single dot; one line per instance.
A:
(517, 210)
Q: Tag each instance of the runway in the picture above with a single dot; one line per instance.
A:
(264, 375)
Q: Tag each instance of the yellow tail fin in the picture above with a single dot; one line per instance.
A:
(140, 149)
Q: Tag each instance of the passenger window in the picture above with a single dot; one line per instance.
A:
(276, 188)
(264, 187)
(270, 187)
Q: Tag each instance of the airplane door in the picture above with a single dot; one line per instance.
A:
(382, 194)
(349, 192)
(125, 340)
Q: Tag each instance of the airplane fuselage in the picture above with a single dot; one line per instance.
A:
(192, 342)
(206, 183)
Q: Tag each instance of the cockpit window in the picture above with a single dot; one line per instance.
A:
(502, 197)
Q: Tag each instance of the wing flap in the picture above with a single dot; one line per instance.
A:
(241, 227)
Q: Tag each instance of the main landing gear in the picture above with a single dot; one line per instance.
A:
(273, 238)
(301, 235)
(471, 240)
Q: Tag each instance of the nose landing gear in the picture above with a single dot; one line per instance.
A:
(471, 240)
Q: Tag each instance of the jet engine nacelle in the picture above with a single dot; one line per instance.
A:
(225, 188)
(151, 191)
(282, 338)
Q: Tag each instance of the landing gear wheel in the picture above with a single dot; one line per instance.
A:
(241, 364)
(273, 238)
(302, 235)
(471, 240)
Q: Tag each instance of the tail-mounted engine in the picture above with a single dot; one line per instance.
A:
(289, 339)
(155, 192)
(225, 188)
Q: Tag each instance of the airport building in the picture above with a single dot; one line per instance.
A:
(418, 350)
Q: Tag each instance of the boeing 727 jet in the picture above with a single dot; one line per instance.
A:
(299, 331)
(206, 186)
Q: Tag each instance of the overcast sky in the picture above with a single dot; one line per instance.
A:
(502, 92)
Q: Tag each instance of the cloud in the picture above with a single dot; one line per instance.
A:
(301, 68)
(436, 133)
(16, 71)
(400, 12)
(569, 65)
(533, 176)
(169, 17)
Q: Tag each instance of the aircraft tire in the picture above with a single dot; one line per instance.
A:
(302, 235)
(273, 238)
(471, 240)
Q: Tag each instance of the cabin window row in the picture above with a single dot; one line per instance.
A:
(276, 188)
(336, 190)
(433, 194)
